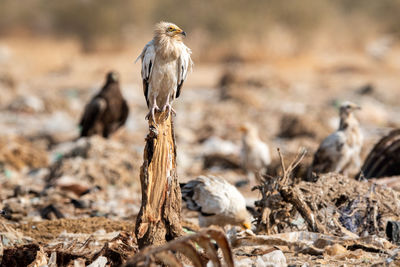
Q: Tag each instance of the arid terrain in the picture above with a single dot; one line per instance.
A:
(56, 188)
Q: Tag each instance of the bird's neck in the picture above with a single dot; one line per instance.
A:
(347, 122)
(167, 47)
(349, 125)
(111, 87)
(251, 138)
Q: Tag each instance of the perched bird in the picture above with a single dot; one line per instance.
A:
(217, 201)
(165, 65)
(384, 158)
(340, 151)
(106, 111)
(255, 156)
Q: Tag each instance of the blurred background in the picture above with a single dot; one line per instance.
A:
(283, 66)
(243, 26)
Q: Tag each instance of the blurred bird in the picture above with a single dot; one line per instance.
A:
(380, 47)
(106, 111)
(384, 158)
(255, 155)
(340, 151)
(165, 65)
(217, 201)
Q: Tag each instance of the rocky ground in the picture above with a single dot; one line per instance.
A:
(58, 191)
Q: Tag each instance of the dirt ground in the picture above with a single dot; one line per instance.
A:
(44, 169)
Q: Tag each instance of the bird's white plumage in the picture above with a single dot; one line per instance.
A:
(336, 150)
(255, 155)
(218, 201)
(166, 62)
(184, 63)
(340, 151)
(216, 195)
(148, 56)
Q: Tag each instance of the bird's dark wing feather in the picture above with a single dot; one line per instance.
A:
(92, 112)
(384, 158)
(187, 195)
(124, 113)
(185, 64)
(148, 56)
(321, 162)
(180, 84)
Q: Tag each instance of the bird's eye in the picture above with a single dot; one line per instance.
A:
(170, 29)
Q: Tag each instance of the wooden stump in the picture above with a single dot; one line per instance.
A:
(159, 219)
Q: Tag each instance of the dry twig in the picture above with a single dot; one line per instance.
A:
(186, 246)
(276, 190)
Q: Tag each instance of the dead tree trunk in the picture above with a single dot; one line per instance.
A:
(159, 219)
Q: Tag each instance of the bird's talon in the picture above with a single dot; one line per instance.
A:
(168, 107)
(151, 115)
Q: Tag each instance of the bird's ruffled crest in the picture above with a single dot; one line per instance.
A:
(161, 27)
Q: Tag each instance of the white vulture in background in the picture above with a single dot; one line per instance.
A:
(255, 155)
(340, 151)
(165, 65)
(217, 201)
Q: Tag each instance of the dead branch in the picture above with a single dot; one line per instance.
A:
(276, 189)
(186, 246)
(159, 219)
(288, 171)
(292, 196)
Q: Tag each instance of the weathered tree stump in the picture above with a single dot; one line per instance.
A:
(159, 219)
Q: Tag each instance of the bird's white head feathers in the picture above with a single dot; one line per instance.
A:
(249, 130)
(168, 40)
(348, 106)
(168, 30)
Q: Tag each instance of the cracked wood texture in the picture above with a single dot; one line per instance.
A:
(159, 219)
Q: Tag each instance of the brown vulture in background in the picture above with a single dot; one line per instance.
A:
(384, 158)
(107, 111)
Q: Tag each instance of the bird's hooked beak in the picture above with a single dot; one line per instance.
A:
(243, 129)
(181, 32)
(355, 107)
(246, 225)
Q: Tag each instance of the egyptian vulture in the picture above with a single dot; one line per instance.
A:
(217, 201)
(255, 155)
(340, 151)
(106, 111)
(165, 65)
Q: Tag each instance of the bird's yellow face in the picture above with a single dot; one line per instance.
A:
(175, 31)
